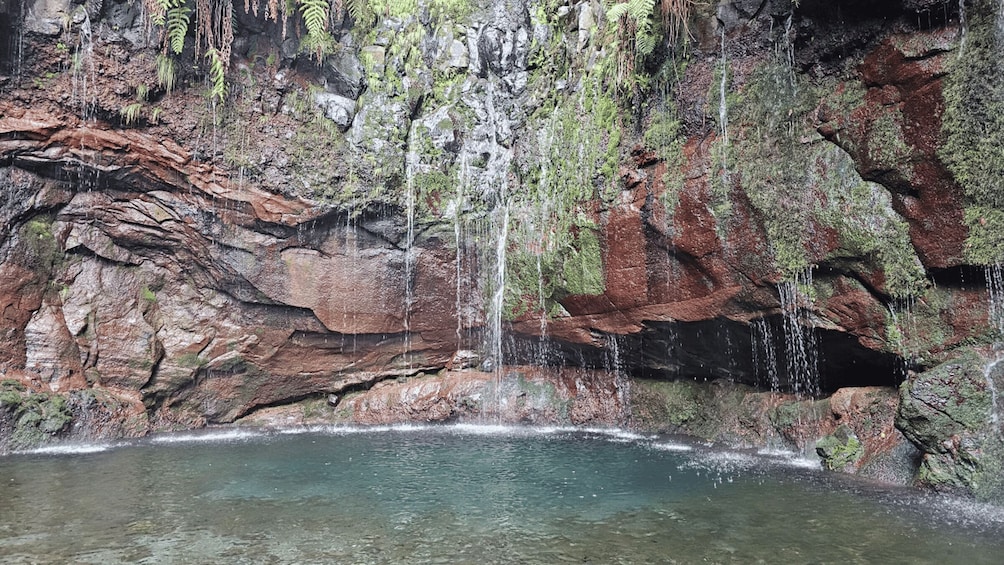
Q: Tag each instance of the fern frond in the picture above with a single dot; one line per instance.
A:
(157, 10)
(641, 9)
(217, 75)
(617, 11)
(130, 114)
(177, 25)
(315, 15)
(165, 72)
(644, 42)
(360, 11)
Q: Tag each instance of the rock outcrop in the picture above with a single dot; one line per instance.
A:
(780, 213)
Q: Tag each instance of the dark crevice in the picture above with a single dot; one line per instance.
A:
(718, 349)
(959, 276)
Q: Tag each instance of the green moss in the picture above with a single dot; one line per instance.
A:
(887, 147)
(37, 416)
(191, 361)
(795, 179)
(10, 392)
(985, 244)
(973, 124)
(840, 449)
(663, 134)
(41, 246)
(147, 294)
(771, 159)
(582, 269)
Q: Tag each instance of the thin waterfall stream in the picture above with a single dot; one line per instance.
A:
(801, 357)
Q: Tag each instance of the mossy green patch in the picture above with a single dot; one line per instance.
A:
(37, 416)
(840, 449)
(973, 124)
(663, 134)
(40, 243)
(796, 180)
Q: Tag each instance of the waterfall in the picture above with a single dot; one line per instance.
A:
(995, 298)
(988, 374)
(497, 306)
(495, 183)
(409, 242)
(723, 115)
(799, 334)
(764, 355)
(83, 72)
(458, 209)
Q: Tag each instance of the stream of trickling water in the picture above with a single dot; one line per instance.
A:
(723, 115)
(799, 334)
(490, 495)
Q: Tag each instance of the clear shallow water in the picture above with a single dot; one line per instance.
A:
(464, 495)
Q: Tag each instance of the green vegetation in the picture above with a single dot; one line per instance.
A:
(41, 248)
(147, 294)
(796, 180)
(840, 449)
(191, 361)
(36, 416)
(663, 135)
(973, 124)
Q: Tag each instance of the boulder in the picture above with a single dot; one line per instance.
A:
(950, 413)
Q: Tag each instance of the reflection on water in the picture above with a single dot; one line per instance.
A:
(464, 495)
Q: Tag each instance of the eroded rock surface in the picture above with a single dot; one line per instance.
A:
(496, 179)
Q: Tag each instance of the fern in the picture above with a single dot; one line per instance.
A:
(361, 12)
(315, 15)
(130, 114)
(177, 24)
(217, 75)
(158, 9)
(165, 72)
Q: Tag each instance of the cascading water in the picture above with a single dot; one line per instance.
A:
(988, 374)
(995, 298)
(723, 114)
(409, 243)
(764, 355)
(83, 71)
(494, 183)
(995, 315)
(799, 334)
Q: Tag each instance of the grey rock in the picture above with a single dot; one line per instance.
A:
(456, 55)
(338, 109)
(345, 75)
(46, 17)
(124, 21)
(586, 21)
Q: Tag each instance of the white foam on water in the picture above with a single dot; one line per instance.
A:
(68, 449)
(217, 436)
(789, 458)
(669, 446)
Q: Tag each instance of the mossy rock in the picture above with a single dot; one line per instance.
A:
(37, 417)
(952, 399)
(949, 413)
(840, 450)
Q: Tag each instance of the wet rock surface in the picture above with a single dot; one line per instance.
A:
(334, 227)
(951, 414)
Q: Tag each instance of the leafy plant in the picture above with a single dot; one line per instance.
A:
(178, 17)
(217, 75)
(130, 113)
(165, 72)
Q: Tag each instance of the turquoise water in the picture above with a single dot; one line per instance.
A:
(464, 495)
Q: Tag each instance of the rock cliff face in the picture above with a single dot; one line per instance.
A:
(772, 194)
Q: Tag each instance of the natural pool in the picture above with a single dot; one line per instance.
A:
(464, 494)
